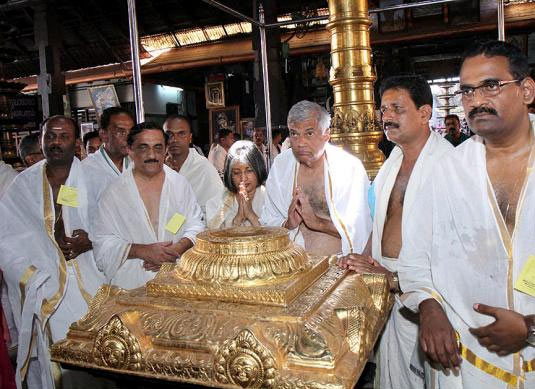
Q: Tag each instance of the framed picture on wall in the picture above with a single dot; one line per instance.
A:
(214, 93)
(247, 128)
(103, 97)
(224, 118)
(86, 128)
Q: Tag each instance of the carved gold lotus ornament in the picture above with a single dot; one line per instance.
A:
(244, 308)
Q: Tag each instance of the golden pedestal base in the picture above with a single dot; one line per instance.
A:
(320, 338)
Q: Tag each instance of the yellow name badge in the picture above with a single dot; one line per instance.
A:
(68, 196)
(526, 280)
(174, 224)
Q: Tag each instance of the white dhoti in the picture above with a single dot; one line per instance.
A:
(46, 292)
(458, 251)
(346, 192)
(399, 338)
(123, 220)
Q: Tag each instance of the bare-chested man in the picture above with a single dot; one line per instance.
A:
(467, 260)
(148, 216)
(316, 190)
(406, 107)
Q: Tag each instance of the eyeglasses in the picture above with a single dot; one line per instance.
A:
(488, 88)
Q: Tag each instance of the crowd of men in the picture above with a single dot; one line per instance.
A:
(456, 245)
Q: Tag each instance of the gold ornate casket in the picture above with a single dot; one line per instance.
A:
(244, 308)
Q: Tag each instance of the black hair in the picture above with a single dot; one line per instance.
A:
(452, 116)
(275, 132)
(139, 128)
(29, 144)
(417, 87)
(175, 116)
(223, 133)
(518, 62)
(244, 151)
(50, 118)
(90, 135)
(105, 118)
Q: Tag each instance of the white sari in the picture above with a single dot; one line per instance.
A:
(223, 208)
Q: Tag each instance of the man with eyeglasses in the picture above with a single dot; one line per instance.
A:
(111, 159)
(200, 173)
(468, 267)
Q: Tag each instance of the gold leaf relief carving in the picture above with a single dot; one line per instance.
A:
(177, 366)
(115, 347)
(245, 362)
(98, 307)
(283, 337)
(298, 383)
(350, 120)
(181, 325)
(310, 349)
(352, 319)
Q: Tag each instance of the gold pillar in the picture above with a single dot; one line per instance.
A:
(353, 125)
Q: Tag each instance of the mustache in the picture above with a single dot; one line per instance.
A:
(151, 161)
(482, 109)
(55, 148)
(392, 124)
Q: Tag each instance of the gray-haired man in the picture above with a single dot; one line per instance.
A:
(316, 190)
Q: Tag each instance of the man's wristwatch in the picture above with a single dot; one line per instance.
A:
(530, 322)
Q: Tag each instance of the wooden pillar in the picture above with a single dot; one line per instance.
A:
(51, 80)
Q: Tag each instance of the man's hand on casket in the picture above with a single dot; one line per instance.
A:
(362, 264)
(437, 337)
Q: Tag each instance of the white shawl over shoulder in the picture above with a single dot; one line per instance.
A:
(202, 176)
(457, 250)
(346, 191)
(123, 220)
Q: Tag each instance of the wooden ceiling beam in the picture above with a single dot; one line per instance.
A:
(189, 57)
